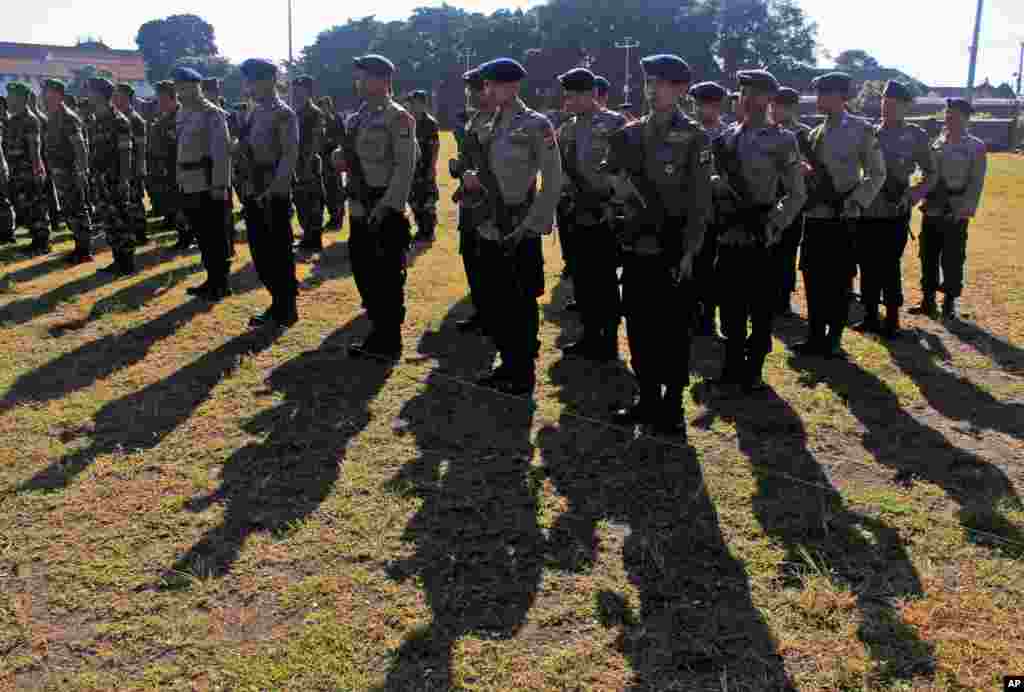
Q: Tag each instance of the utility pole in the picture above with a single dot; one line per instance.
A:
(1020, 70)
(587, 61)
(467, 55)
(974, 50)
(628, 44)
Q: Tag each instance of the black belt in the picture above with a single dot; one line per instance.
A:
(195, 165)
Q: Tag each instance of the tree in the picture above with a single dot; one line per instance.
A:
(1005, 91)
(163, 42)
(856, 60)
(79, 85)
(220, 67)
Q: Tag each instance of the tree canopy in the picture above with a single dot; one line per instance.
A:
(164, 42)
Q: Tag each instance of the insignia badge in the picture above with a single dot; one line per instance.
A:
(705, 156)
(669, 169)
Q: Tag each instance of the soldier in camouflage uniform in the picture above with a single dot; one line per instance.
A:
(424, 194)
(309, 181)
(6, 210)
(53, 204)
(163, 157)
(112, 170)
(23, 143)
(69, 168)
(334, 194)
(124, 101)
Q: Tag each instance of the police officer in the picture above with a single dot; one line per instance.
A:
(709, 98)
(471, 206)
(112, 166)
(846, 173)
(309, 181)
(602, 90)
(203, 174)
(379, 156)
(124, 101)
(583, 141)
(6, 210)
(757, 163)
(885, 228)
(212, 90)
(518, 146)
(69, 168)
(334, 198)
(663, 166)
(23, 142)
(424, 194)
(961, 162)
(784, 112)
(271, 147)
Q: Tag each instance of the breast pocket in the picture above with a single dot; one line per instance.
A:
(374, 144)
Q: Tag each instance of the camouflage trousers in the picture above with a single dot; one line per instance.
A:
(6, 215)
(423, 202)
(137, 208)
(112, 212)
(334, 194)
(163, 191)
(73, 203)
(31, 206)
(309, 206)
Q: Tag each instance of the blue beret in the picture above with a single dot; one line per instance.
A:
(602, 85)
(502, 70)
(671, 68)
(832, 83)
(787, 96)
(898, 90)
(625, 106)
(376, 65)
(708, 91)
(418, 95)
(186, 74)
(303, 81)
(258, 69)
(577, 79)
(960, 104)
(759, 79)
(473, 79)
(101, 85)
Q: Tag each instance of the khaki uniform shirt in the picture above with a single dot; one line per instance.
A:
(521, 145)
(586, 138)
(385, 141)
(962, 166)
(202, 134)
(905, 148)
(852, 156)
(274, 142)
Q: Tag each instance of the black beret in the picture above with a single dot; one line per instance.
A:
(303, 81)
(671, 68)
(55, 84)
(832, 83)
(787, 96)
(602, 85)
(126, 89)
(502, 70)
(960, 104)
(759, 79)
(186, 74)
(577, 79)
(473, 79)
(625, 106)
(101, 85)
(708, 91)
(258, 69)
(898, 90)
(376, 65)
(418, 95)
(164, 87)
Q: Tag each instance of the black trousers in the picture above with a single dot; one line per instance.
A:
(470, 258)
(269, 229)
(943, 243)
(510, 285)
(746, 275)
(595, 279)
(828, 263)
(206, 218)
(784, 253)
(880, 246)
(704, 273)
(379, 256)
(566, 238)
(659, 341)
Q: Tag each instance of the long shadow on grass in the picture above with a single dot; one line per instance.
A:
(696, 617)
(1009, 357)
(800, 509)
(335, 262)
(27, 309)
(273, 484)
(917, 451)
(142, 419)
(479, 550)
(98, 359)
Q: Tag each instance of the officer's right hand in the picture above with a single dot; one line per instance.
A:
(471, 181)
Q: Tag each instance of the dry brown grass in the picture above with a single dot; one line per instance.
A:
(185, 505)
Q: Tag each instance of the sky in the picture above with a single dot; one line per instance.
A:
(929, 45)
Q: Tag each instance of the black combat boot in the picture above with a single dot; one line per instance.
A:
(927, 307)
(671, 419)
(645, 409)
(949, 308)
(870, 324)
(891, 330)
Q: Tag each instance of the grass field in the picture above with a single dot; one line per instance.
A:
(187, 505)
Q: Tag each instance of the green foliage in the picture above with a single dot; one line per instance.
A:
(164, 42)
(856, 59)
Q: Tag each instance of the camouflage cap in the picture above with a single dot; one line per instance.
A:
(55, 84)
(18, 88)
(126, 89)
